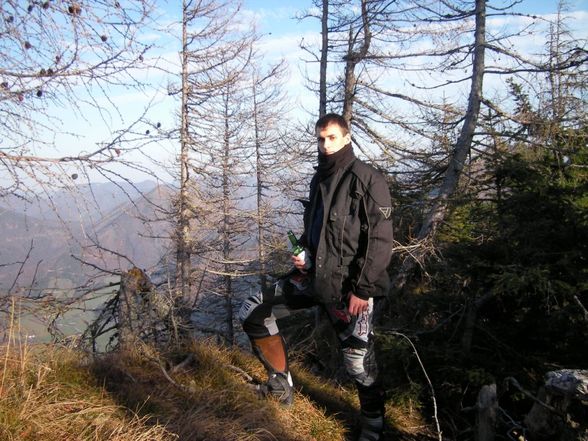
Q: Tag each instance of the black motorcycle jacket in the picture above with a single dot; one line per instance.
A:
(355, 244)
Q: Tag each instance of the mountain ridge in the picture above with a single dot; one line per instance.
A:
(136, 228)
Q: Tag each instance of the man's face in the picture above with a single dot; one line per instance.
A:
(331, 139)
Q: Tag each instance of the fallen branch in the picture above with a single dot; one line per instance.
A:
(183, 364)
(515, 383)
(157, 362)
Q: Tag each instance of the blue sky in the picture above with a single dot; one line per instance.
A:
(270, 10)
(282, 35)
(546, 6)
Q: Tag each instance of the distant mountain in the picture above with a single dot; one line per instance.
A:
(100, 225)
(42, 240)
(93, 201)
(139, 229)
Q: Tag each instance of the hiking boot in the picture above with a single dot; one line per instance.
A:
(372, 427)
(280, 387)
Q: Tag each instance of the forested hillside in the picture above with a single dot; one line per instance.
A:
(154, 156)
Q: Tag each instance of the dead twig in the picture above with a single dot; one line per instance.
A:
(22, 264)
(581, 306)
(245, 375)
(435, 417)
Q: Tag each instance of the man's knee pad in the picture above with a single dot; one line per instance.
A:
(257, 317)
(360, 364)
(249, 306)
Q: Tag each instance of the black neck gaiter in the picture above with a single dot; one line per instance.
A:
(329, 164)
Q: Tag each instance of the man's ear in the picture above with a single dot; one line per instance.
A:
(347, 138)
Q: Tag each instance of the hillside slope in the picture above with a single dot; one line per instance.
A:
(52, 393)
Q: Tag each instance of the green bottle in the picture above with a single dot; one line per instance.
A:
(296, 247)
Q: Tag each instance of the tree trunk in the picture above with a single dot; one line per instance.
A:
(259, 191)
(324, 60)
(133, 283)
(440, 208)
(350, 80)
(183, 227)
(487, 406)
(352, 59)
(471, 316)
(471, 313)
(226, 227)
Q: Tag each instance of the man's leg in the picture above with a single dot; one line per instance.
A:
(356, 337)
(370, 392)
(258, 316)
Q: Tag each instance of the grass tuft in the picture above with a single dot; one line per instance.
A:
(50, 393)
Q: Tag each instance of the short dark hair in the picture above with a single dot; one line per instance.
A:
(332, 118)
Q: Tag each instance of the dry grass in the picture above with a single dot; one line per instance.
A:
(213, 402)
(56, 393)
(50, 392)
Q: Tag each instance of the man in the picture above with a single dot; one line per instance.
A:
(348, 243)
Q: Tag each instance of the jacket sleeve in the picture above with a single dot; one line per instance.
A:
(307, 204)
(377, 252)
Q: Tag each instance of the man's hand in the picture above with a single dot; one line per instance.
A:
(299, 262)
(357, 305)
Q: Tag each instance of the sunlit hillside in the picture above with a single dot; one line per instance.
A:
(201, 393)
